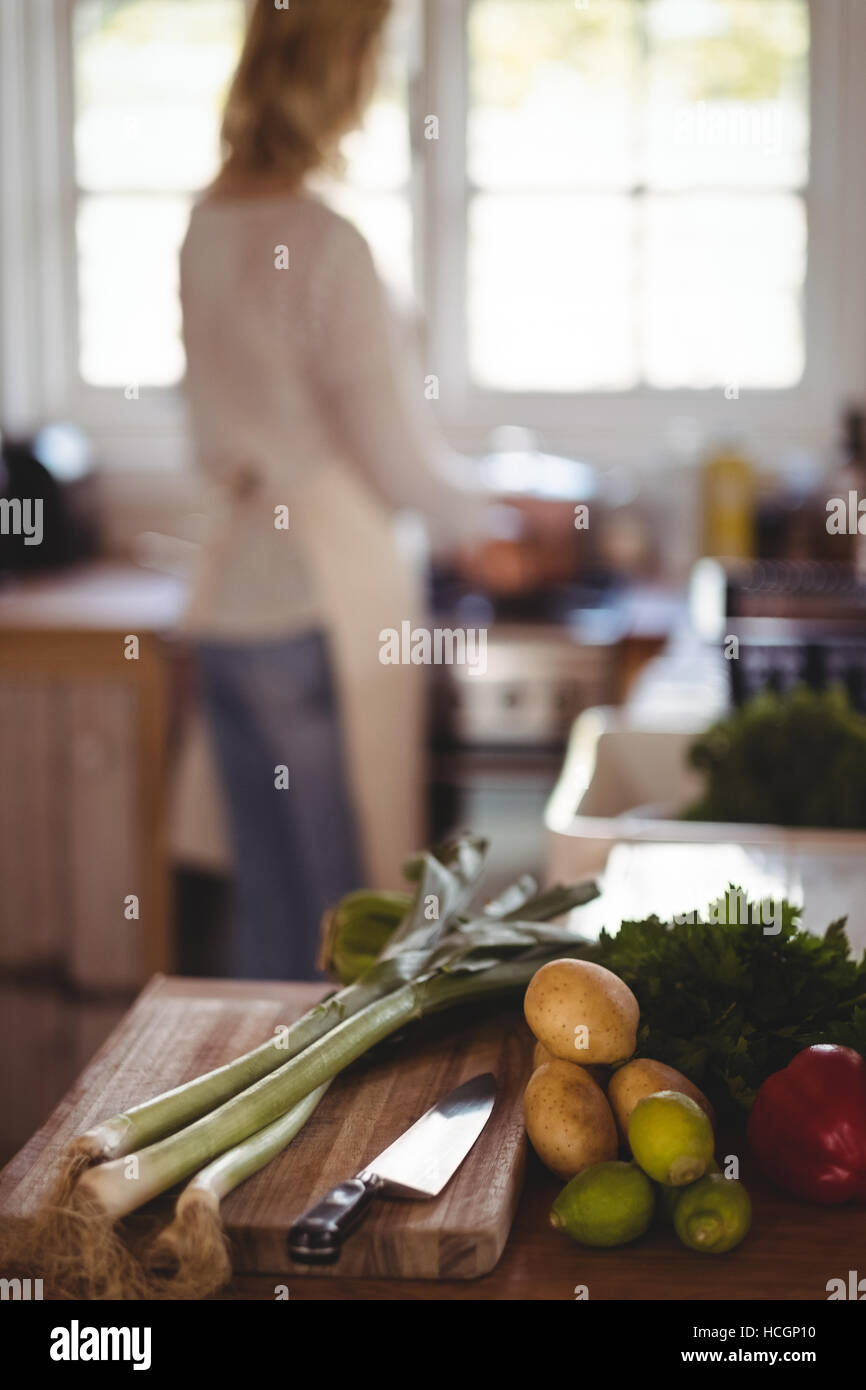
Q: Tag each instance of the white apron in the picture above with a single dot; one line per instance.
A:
(364, 582)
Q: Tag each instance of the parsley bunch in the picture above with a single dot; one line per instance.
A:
(727, 1004)
(798, 759)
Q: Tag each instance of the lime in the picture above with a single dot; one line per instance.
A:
(713, 1214)
(666, 1202)
(607, 1204)
(671, 1138)
(667, 1197)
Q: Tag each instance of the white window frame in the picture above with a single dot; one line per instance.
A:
(38, 288)
(628, 426)
(39, 375)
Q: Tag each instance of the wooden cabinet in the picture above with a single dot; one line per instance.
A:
(46, 1037)
(83, 715)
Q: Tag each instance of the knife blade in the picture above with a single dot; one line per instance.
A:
(416, 1165)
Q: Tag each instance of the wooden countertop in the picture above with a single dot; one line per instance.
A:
(791, 1252)
(99, 596)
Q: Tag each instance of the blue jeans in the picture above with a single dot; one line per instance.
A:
(272, 705)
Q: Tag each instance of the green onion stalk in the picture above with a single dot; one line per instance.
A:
(449, 874)
(446, 876)
(164, 1114)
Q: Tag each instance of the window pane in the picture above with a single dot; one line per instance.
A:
(551, 292)
(723, 282)
(129, 314)
(728, 90)
(637, 95)
(150, 76)
(553, 89)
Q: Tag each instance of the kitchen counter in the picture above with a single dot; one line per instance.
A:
(87, 700)
(98, 596)
(791, 1252)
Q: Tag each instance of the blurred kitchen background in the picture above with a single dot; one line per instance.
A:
(634, 236)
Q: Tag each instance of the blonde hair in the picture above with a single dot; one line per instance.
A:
(300, 84)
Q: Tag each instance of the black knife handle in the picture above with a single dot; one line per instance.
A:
(317, 1236)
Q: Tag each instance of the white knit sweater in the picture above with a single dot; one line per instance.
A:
(290, 367)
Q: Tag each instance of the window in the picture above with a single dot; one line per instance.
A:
(614, 211)
(636, 173)
(150, 77)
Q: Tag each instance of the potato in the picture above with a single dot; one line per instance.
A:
(540, 1056)
(597, 1071)
(599, 1074)
(642, 1078)
(581, 1012)
(569, 1122)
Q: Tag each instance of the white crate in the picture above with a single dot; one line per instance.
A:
(613, 813)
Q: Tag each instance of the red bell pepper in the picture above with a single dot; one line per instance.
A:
(807, 1127)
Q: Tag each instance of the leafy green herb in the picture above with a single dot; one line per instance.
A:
(798, 759)
(727, 1004)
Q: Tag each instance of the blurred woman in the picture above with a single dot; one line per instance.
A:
(304, 422)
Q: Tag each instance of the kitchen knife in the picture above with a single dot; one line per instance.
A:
(417, 1165)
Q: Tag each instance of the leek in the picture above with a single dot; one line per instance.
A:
(227, 1124)
(448, 875)
(192, 1252)
(356, 931)
(222, 1176)
(122, 1185)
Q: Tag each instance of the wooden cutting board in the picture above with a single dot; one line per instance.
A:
(179, 1028)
